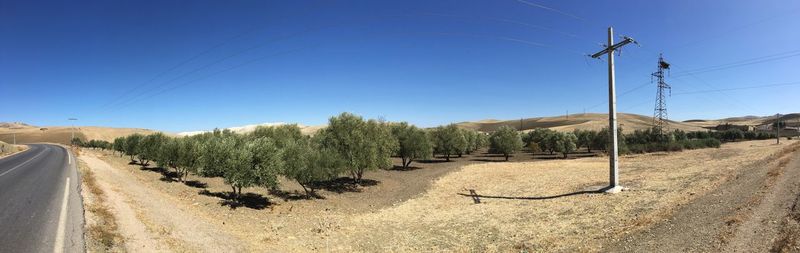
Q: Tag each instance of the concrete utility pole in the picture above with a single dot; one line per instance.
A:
(613, 153)
(72, 130)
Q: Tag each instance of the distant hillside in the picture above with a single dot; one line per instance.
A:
(589, 121)
(791, 119)
(15, 125)
(58, 134)
(249, 128)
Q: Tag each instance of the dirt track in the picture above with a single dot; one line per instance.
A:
(149, 223)
(744, 214)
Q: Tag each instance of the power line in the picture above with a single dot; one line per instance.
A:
(509, 21)
(537, 5)
(739, 88)
(722, 33)
(225, 70)
(314, 6)
(756, 60)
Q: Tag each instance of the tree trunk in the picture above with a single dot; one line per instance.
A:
(565, 155)
(359, 174)
(404, 163)
(308, 194)
(447, 156)
(407, 164)
(233, 194)
(506, 157)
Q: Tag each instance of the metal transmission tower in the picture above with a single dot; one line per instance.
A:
(613, 152)
(660, 112)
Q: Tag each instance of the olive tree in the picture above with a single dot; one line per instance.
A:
(362, 145)
(119, 145)
(448, 140)
(189, 154)
(281, 135)
(306, 162)
(413, 143)
(265, 161)
(566, 143)
(168, 154)
(241, 163)
(505, 140)
(149, 147)
(132, 145)
(584, 138)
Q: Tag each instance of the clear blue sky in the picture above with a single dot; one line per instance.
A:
(192, 65)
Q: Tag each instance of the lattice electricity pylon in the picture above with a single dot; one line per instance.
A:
(660, 113)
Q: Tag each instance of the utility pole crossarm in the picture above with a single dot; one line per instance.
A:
(625, 41)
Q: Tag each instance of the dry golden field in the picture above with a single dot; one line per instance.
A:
(538, 205)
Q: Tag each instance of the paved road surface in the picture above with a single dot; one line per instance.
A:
(41, 209)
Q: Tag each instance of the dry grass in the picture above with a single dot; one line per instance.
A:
(64, 134)
(10, 149)
(444, 220)
(101, 226)
(589, 121)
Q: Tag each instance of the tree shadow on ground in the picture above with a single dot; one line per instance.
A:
(294, 195)
(153, 169)
(489, 160)
(248, 199)
(344, 184)
(195, 184)
(400, 168)
(435, 160)
(476, 197)
(490, 155)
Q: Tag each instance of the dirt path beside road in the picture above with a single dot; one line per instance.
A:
(150, 222)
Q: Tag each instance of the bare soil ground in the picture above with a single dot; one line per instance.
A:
(741, 215)
(542, 205)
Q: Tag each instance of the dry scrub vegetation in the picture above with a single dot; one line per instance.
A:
(101, 226)
(534, 206)
(10, 149)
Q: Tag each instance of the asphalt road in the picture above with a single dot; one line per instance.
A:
(41, 209)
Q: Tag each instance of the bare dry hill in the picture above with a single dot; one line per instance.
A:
(250, 128)
(29, 134)
(792, 119)
(589, 121)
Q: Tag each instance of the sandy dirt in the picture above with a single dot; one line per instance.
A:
(741, 215)
(149, 222)
(541, 205)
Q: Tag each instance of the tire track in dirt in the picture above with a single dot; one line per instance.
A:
(762, 229)
(151, 223)
(723, 219)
